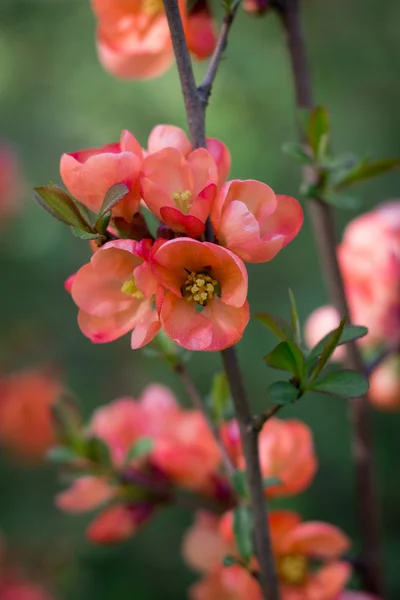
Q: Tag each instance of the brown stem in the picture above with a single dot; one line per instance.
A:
(195, 110)
(249, 437)
(206, 86)
(197, 400)
(367, 506)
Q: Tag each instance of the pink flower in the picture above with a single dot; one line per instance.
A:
(88, 174)
(295, 545)
(204, 307)
(253, 222)
(371, 271)
(200, 31)
(114, 293)
(118, 523)
(133, 38)
(286, 452)
(21, 590)
(26, 424)
(169, 136)
(352, 595)
(384, 385)
(180, 191)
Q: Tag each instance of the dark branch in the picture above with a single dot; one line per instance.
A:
(367, 508)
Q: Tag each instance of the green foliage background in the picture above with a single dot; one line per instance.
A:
(54, 97)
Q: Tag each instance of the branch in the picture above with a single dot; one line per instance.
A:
(367, 506)
(249, 436)
(197, 400)
(206, 87)
(260, 420)
(195, 111)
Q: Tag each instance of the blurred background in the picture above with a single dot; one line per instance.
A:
(55, 98)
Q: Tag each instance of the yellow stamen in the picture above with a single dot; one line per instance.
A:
(152, 7)
(199, 287)
(129, 288)
(293, 568)
(181, 200)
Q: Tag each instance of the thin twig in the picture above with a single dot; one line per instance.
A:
(260, 420)
(367, 506)
(196, 117)
(198, 402)
(222, 42)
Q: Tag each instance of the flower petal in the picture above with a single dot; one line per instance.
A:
(168, 136)
(101, 330)
(317, 539)
(328, 582)
(228, 323)
(86, 493)
(184, 325)
(182, 223)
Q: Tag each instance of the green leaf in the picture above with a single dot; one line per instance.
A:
(98, 452)
(103, 223)
(68, 422)
(243, 530)
(61, 206)
(279, 327)
(62, 454)
(229, 560)
(345, 384)
(220, 396)
(86, 235)
(271, 482)
(295, 318)
(349, 334)
(114, 195)
(239, 482)
(318, 131)
(141, 448)
(286, 356)
(296, 151)
(332, 340)
(367, 170)
(282, 392)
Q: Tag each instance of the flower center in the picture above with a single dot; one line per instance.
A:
(200, 288)
(152, 7)
(293, 568)
(129, 288)
(181, 200)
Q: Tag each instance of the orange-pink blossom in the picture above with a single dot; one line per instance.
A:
(26, 425)
(252, 221)
(204, 306)
(286, 452)
(296, 545)
(170, 136)
(88, 174)
(133, 38)
(115, 294)
(178, 190)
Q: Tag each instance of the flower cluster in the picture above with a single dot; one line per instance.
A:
(299, 547)
(156, 448)
(133, 38)
(194, 290)
(369, 257)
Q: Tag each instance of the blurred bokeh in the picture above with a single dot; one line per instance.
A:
(54, 97)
